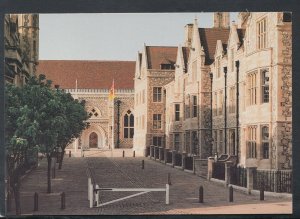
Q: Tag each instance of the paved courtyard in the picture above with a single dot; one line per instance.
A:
(126, 172)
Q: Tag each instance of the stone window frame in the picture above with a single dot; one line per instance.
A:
(215, 140)
(156, 139)
(265, 85)
(177, 112)
(261, 30)
(187, 142)
(252, 87)
(176, 142)
(157, 121)
(221, 139)
(129, 127)
(265, 142)
(157, 95)
(144, 96)
(195, 106)
(251, 142)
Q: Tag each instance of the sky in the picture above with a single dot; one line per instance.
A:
(112, 36)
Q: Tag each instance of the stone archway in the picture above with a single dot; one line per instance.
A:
(94, 137)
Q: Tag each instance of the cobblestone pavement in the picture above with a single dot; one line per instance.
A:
(127, 173)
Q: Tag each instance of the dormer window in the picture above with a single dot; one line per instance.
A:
(167, 66)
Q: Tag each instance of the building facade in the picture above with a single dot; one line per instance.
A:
(154, 69)
(111, 121)
(230, 93)
(21, 47)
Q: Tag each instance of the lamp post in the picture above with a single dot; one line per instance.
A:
(118, 123)
(211, 112)
(225, 105)
(237, 65)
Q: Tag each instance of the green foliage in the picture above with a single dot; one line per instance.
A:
(44, 117)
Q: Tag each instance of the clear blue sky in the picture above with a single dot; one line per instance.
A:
(112, 36)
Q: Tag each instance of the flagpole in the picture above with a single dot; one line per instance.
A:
(113, 116)
(76, 97)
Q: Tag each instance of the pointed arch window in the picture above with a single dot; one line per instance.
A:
(128, 124)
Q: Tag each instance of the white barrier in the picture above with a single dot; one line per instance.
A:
(94, 193)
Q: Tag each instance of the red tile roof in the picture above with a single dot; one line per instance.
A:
(158, 55)
(89, 74)
(209, 37)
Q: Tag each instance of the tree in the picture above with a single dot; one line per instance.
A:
(75, 121)
(19, 138)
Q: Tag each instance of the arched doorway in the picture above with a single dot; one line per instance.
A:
(93, 140)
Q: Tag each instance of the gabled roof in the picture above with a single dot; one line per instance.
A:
(158, 55)
(186, 55)
(89, 74)
(209, 37)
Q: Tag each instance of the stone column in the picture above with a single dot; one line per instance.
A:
(165, 155)
(76, 145)
(210, 169)
(173, 158)
(183, 156)
(250, 173)
(228, 165)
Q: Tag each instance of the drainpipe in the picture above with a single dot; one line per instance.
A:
(225, 105)
(211, 113)
(237, 65)
(198, 115)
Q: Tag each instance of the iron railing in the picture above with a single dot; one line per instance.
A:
(218, 170)
(238, 176)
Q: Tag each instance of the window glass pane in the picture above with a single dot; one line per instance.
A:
(125, 132)
(131, 132)
(131, 120)
(126, 120)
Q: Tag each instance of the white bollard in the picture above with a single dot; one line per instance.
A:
(91, 195)
(167, 194)
(97, 195)
(89, 184)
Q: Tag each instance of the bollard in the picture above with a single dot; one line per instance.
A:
(69, 153)
(262, 192)
(143, 164)
(201, 194)
(63, 200)
(167, 194)
(36, 202)
(230, 194)
(169, 178)
(53, 172)
(123, 153)
(133, 153)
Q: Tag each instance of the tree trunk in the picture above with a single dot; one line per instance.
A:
(49, 174)
(61, 159)
(16, 189)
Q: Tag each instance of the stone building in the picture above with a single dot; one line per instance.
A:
(21, 47)
(154, 69)
(91, 81)
(231, 92)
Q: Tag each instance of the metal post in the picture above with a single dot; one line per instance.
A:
(230, 194)
(36, 202)
(201, 194)
(167, 194)
(225, 109)
(133, 153)
(143, 164)
(97, 195)
(237, 65)
(91, 195)
(123, 153)
(89, 184)
(211, 113)
(169, 179)
(63, 200)
(53, 172)
(70, 153)
(262, 192)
